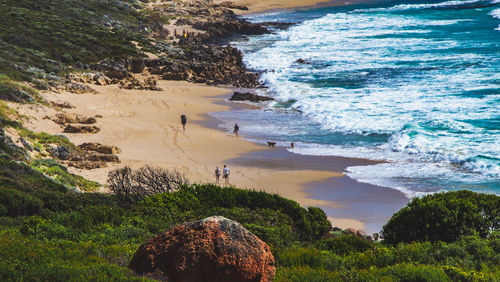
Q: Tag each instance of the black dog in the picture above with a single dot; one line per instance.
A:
(271, 144)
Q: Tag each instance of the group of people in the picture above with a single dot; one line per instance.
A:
(225, 174)
(225, 171)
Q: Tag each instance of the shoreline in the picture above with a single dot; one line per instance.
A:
(367, 209)
(262, 6)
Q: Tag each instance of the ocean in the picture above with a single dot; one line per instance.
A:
(413, 85)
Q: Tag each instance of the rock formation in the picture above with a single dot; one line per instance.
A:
(63, 118)
(211, 249)
(246, 96)
(81, 129)
(103, 149)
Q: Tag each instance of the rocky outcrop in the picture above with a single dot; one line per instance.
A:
(64, 118)
(93, 155)
(60, 152)
(70, 128)
(206, 64)
(97, 147)
(133, 83)
(112, 69)
(79, 88)
(212, 249)
(247, 96)
(136, 65)
(232, 5)
(62, 105)
(302, 61)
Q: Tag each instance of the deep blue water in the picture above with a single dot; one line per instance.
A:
(416, 85)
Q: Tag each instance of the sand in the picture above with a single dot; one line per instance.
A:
(146, 126)
(259, 6)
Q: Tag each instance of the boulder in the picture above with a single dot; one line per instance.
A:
(60, 152)
(63, 105)
(136, 65)
(103, 149)
(246, 96)
(214, 248)
(100, 79)
(81, 129)
(79, 88)
(63, 118)
(233, 5)
(88, 165)
(302, 61)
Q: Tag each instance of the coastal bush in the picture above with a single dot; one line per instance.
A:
(31, 34)
(35, 260)
(94, 235)
(444, 217)
(16, 203)
(344, 244)
(309, 223)
(147, 180)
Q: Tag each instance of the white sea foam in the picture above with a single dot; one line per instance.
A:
(495, 13)
(445, 4)
(360, 83)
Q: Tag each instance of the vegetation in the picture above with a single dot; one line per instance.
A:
(147, 180)
(43, 37)
(61, 175)
(50, 232)
(444, 217)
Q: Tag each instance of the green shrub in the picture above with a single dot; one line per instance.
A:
(409, 272)
(444, 217)
(344, 244)
(298, 256)
(16, 203)
(169, 203)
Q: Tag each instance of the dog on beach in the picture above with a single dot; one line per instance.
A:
(271, 144)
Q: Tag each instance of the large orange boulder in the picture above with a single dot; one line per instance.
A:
(211, 249)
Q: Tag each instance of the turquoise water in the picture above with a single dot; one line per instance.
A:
(416, 85)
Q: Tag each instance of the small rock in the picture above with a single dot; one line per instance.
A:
(302, 61)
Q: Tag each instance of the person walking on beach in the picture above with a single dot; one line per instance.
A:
(183, 121)
(236, 129)
(217, 175)
(226, 173)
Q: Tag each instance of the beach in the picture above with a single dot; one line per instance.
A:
(146, 126)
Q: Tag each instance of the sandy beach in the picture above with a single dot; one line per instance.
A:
(260, 6)
(146, 126)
